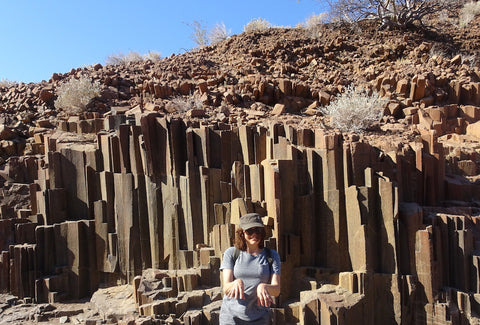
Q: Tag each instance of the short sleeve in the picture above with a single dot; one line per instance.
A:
(227, 261)
(276, 262)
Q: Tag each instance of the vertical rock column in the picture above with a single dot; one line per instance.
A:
(84, 267)
(126, 220)
(387, 223)
(153, 148)
(23, 270)
(73, 169)
(333, 248)
(279, 197)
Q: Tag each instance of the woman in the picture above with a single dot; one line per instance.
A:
(251, 275)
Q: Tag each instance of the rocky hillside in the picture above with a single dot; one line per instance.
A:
(242, 79)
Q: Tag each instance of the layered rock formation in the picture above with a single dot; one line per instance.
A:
(374, 228)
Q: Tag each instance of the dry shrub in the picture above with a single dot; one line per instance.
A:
(152, 56)
(199, 34)
(257, 25)
(122, 59)
(218, 33)
(355, 110)
(469, 59)
(313, 23)
(74, 95)
(5, 83)
(185, 104)
(468, 13)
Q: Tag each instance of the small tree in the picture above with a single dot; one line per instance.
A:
(75, 94)
(355, 110)
(392, 14)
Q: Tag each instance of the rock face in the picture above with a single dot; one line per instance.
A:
(151, 195)
(146, 188)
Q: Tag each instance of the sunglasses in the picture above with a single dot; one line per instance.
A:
(256, 230)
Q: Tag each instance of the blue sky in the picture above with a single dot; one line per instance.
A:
(42, 37)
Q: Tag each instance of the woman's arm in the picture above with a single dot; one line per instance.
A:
(266, 291)
(232, 288)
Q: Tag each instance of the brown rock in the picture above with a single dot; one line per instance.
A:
(323, 98)
(301, 90)
(8, 147)
(410, 111)
(55, 77)
(285, 86)
(470, 113)
(417, 91)
(468, 167)
(151, 107)
(436, 114)
(196, 112)
(457, 59)
(426, 101)
(425, 120)
(45, 95)
(115, 302)
(473, 129)
(394, 109)
(6, 133)
(202, 86)
(278, 109)
(313, 105)
(252, 112)
(402, 87)
(186, 88)
(44, 124)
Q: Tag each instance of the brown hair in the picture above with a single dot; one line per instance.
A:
(240, 242)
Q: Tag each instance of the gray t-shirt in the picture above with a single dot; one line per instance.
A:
(253, 270)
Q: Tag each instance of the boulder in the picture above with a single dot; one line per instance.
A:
(46, 95)
(278, 109)
(474, 129)
(6, 133)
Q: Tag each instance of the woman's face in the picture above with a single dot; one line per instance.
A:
(253, 236)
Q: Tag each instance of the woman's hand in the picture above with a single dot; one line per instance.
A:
(232, 288)
(236, 290)
(264, 298)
